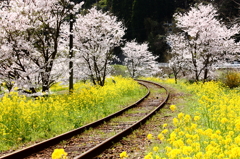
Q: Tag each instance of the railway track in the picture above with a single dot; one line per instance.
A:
(90, 140)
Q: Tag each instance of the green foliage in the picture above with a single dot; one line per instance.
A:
(102, 4)
(144, 21)
(119, 70)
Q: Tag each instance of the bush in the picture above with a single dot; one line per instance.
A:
(231, 79)
(119, 70)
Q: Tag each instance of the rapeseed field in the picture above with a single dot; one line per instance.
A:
(24, 119)
(210, 129)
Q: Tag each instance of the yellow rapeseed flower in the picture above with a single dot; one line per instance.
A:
(123, 155)
(189, 141)
(155, 148)
(158, 157)
(180, 115)
(178, 143)
(187, 150)
(187, 118)
(59, 154)
(173, 107)
(199, 155)
(165, 125)
(196, 118)
(193, 126)
(237, 125)
(218, 132)
(181, 133)
(165, 131)
(173, 136)
(161, 136)
(175, 121)
(148, 156)
(149, 136)
(224, 120)
(174, 153)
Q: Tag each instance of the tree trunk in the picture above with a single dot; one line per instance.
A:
(46, 77)
(175, 75)
(206, 70)
(205, 75)
(45, 82)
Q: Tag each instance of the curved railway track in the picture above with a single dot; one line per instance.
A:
(90, 140)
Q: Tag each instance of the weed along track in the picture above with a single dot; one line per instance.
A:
(92, 139)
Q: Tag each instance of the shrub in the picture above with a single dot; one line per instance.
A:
(231, 79)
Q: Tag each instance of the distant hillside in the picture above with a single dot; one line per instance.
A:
(151, 20)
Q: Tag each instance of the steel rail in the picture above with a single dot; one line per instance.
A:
(98, 149)
(22, 153)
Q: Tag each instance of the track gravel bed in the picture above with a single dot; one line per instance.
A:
(136, 144)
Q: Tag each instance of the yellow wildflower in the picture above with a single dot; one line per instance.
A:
(165, 125)
(155, 149)
(180, 115)
(173, 136)
(181, 133)
(148, 156)
(208, 132)
(149, 136)
(168, 149)
(237, 140)
(218, 132)
(175, 121)
(187, 150)
(189, 141)
(123, 155)
(174, 153)
(224, 120)
(196, 118)
(193, 126)
(173, 107)
(165, 131)
(187, 118)
(161, 136)
(237, 125)
(230, 133)
(199, 155)
(158, 157)
(178, 143)
(59, 154)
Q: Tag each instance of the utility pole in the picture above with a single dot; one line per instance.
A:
(71, 55)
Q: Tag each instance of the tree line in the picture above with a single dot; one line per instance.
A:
(35, 49)
(151, 20)
(34, 39)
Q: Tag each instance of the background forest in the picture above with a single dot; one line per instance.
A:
(151, 20)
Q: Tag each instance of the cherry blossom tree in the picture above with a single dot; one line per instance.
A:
(33, 35)
(139, 60)
(204, 40)
(96, 34)
(179, 61)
